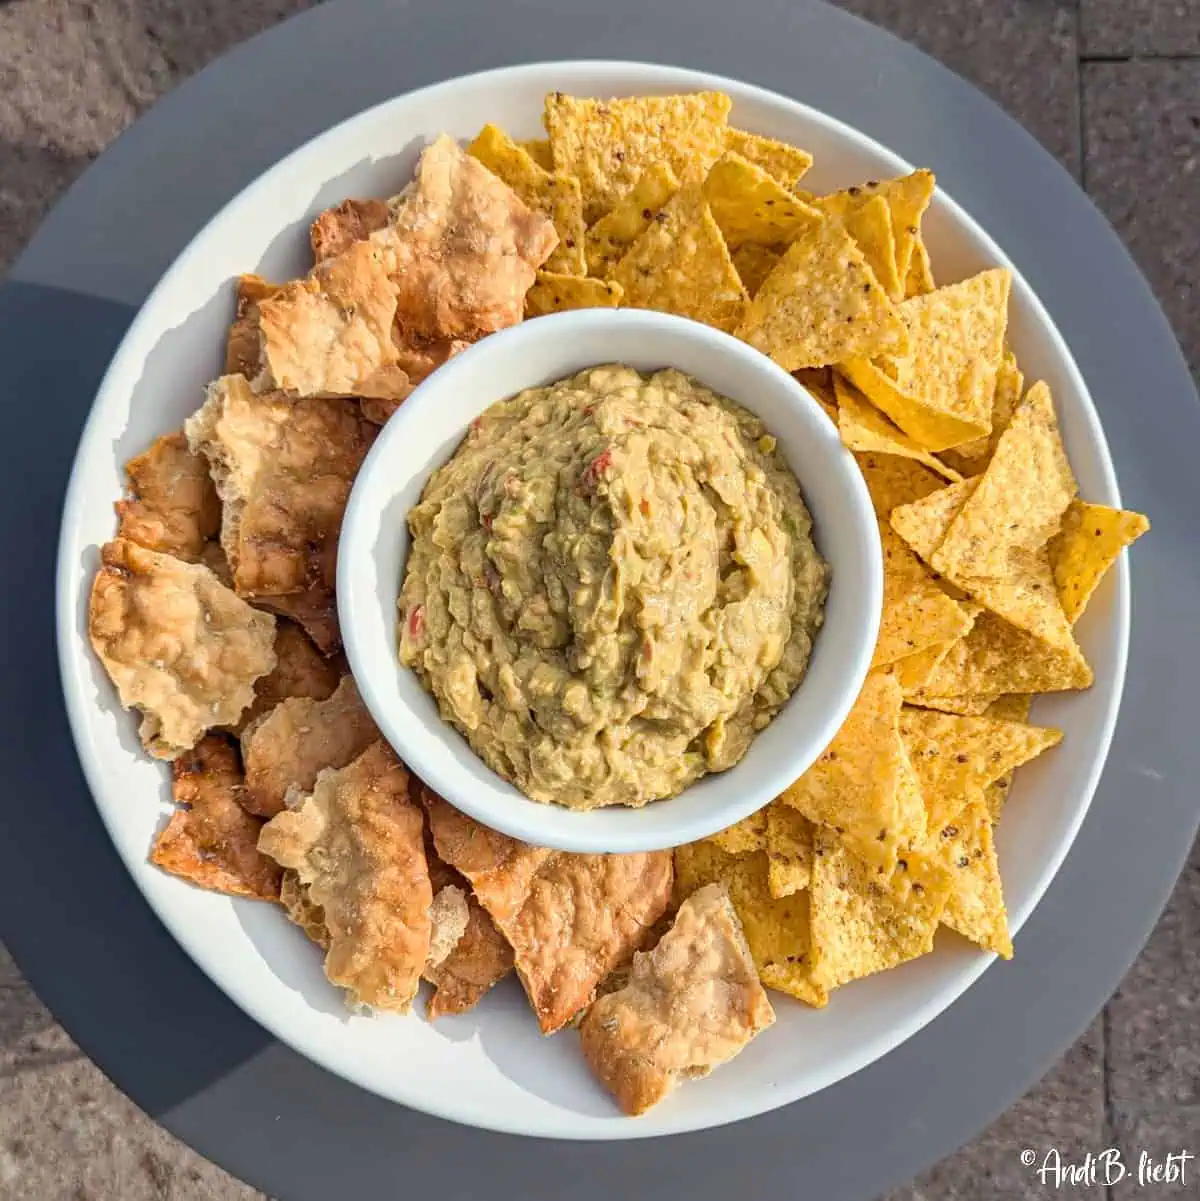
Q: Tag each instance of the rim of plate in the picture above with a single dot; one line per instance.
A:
(626, 74)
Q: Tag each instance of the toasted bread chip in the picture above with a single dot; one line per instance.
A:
(211, 840)
(607, 144)
(972, 457)
(822, 304)
(315, 611)
(789, 850)
(330, 334)
(243, 350)
(864, 428)
(557, 197)
(463, 250)
(681, 264)
(894, 481)
(559, 293)
(356, 845)
(448, 917)
(213, 557)
(1089, 543)
(785, 163)
(284, 469)
(337, 229)
(750, 205)
(690, 1005)
(301, 909)
(481, 958)
(611, 236)
(179, 646)
(975, 907)
(173, 507)
(418, 360)
(300, 670)
(298, 739)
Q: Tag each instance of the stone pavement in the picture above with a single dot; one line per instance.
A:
(1112, 88)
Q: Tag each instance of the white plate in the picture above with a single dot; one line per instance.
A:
(492, 1068)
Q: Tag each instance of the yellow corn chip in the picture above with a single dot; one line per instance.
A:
(779, 160)
(864, 427)
(963, 706)
(611, 236)
(751, 206)
(912, 817)
(869, 222)
(1013, 707)
(681, 265)
(821, 304)
(1020, 499)
(777, 929)
(912, 672)
(941, 391)
(975, 906)
(972, 457)
(894, 481)
(853, 784)
(863, 922)
(955, 756)
(916, 612)
(556, 293)
(789, 850)
(919, 280)
(754, 263)
(538, 149)
(819, 382)
(1091, 538)
(607, 144)
(996, 657)
(750, 834)
(556, 196)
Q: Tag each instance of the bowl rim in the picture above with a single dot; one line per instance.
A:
(831, 684)
(72, 644)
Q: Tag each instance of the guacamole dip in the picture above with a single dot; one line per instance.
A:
(612, 586)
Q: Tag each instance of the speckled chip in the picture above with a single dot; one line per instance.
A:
(863, 427)
(785, 163)
(1091, 539)
(789, 850)
(553, 292)
(750, 205)
(611, 236)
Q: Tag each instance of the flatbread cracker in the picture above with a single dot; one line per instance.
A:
(172, 506)
(418, 360)
(337, 229)
(691, 1004)
(298, 739)
(608, 144)
(302, 910)
(243, 348)
(356, 844)
(479, 961)
(211, 840)
(822, 304)
(179, 646)
(448, 917)
(300, 671)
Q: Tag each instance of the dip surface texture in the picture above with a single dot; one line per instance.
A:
(612, 586)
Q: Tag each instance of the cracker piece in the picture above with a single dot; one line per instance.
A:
(300, 671)
(243, 348)
(337, 229)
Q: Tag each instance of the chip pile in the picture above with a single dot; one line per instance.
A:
(213, 610)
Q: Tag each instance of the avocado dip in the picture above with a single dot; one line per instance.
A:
(611, 587)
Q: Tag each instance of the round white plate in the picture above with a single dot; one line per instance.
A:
(491, 1067)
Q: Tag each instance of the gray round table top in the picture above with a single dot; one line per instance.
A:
(140, 1008)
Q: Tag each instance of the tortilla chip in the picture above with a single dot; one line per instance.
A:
(972, 457)
(172, 506)
(179, 646)
(754, 263)
(869, 223)
(940, 392)
(300, 670)
(1020, 500)
(789, 850)
(777, 929)
(336, 229)
(750, 834)
(957, 757)
(779, 160)
(557, 293)
(821, 304)
(907, 198)
(608, 240)
(555, 196)
(914, 671)
(975, 907)
(538, 149)
(852, 785)
(893, 481)
(607, 144)
(864, 921)
(750, 205)
(863, 427)
(356, 845)
(996, 657)
(681, 264)
(243, 349)
(211, 840)
(1013, 707)
(451, 285)
(919, 280)
(963, 706)
(283, 469)
(298, 739)
(1091, 539)
(917, 613)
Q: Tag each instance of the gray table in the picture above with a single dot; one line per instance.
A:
(138, 1006)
